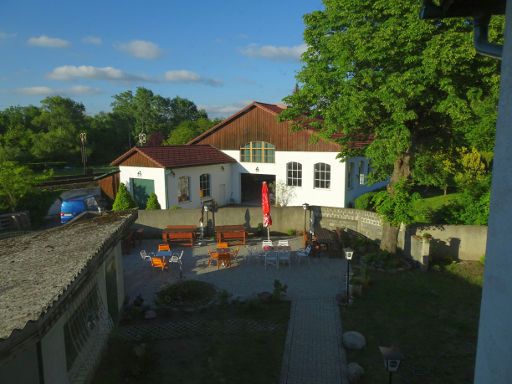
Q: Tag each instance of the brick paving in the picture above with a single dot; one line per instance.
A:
(313, 352)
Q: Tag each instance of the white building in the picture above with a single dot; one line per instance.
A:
(61, 291)
(229, 162)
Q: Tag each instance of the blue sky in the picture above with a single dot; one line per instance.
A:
(219, 54)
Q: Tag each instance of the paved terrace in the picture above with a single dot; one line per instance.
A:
(313, 352)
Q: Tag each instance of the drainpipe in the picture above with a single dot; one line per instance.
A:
(481, 38)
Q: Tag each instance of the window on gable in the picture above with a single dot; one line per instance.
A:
(294, 174)
(362, 175)
(322, 175)
(204, 185)
(183, 189)
(258, 152)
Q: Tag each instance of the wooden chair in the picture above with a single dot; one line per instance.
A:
(158, 262)
(213, 256)
(163, 247)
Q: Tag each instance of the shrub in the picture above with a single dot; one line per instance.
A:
(189, 292)
(482, 260)
(123, 200)
(152, 203)
(279, 290)
(365, 201)
(291, 232)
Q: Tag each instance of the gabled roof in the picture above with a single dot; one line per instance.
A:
(178, 156)
(275, 109)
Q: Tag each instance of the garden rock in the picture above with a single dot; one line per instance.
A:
(353, 340)
(150, 314)
(354, 372)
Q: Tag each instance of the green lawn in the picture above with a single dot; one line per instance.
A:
(250, 356)
(422, 206)
(431, 316)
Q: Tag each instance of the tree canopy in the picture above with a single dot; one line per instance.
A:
(412, 88)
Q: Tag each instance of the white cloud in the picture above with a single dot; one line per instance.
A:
(70, 72)
(141, 49)
(48, 42)
(47, 91)
(274, 52)
(184, 76)
(94, 40)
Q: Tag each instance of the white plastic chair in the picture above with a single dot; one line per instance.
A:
(304, 253)
(144, 256)
(267, 243)
(176, 259)
(283, 243)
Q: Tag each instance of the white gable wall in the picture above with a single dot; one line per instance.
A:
(220, 183)
(150, 173)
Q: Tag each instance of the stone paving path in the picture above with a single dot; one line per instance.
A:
(313, 352)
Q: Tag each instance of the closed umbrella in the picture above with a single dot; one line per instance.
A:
(265, 205)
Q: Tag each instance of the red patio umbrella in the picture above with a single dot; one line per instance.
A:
(265, 205)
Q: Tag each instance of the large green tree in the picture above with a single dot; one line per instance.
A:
(58, 129)
(148, 112)
(187, 130)
(374, 71)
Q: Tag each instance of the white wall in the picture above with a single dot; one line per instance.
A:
(357, 189)
(336, 196)
(218, 177)
(156, 174)
(20, 366)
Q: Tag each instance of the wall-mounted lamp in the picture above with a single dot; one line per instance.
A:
(257, 169)
(170, 172)
(139, 173)
(222, 167)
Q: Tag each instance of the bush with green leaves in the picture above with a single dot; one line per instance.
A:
(365, 201)
(188, 292)
(123, 200)
(152, 203)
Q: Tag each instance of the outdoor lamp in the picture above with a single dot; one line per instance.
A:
(392, 357)
(306, 207)
(349, 252)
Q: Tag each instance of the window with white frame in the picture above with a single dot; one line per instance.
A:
(204, 185)
(258, 152)
(322, 175)
(183, 189)
(362, 175)
(294, 174)
(350, 174)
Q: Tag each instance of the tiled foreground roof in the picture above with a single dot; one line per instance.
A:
(37, 269)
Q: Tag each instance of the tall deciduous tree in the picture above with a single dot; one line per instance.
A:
(373, 70)
(59, 125)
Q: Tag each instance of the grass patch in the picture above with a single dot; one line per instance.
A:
(432, 317)
(423, 207)
(248, 356)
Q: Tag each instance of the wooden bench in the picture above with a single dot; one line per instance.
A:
(238, 236)
(179, 229)
(184, 238)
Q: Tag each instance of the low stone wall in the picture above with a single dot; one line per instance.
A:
(464, 242)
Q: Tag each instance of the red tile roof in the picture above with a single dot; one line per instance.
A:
(179, 156)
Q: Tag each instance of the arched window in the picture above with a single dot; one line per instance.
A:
(322, 175)
(294, 174)
(204, 185)
(257, 152)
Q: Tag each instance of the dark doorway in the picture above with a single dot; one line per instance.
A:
(251, 187)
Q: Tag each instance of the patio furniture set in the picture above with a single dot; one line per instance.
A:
(163, 258)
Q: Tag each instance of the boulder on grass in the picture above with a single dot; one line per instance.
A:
(354, 372)
(353, 340)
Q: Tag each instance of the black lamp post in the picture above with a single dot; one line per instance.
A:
(83, 142)
(349, 252)
(392, 357)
